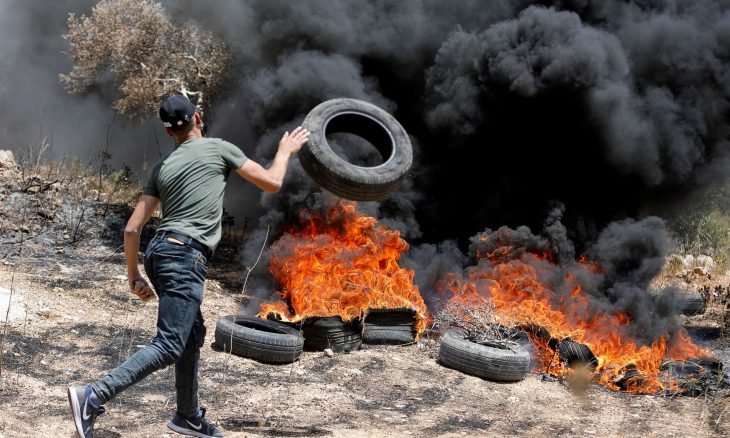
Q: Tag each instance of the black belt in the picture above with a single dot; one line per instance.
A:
(187, 240)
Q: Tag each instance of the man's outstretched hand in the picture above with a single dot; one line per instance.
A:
(293, 141)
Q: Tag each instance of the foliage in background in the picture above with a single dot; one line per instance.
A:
(146, 54)
(69, 199)
(701, 225)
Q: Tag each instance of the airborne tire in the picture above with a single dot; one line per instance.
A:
(491, 363)
(259, 339)
(369, 122)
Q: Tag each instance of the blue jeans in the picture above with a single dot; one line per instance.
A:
(177, 273)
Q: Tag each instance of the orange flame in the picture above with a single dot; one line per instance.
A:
(514, 288)
(341, 265)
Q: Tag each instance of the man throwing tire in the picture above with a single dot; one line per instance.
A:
(188, 184)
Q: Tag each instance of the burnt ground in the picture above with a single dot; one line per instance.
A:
(71, 318)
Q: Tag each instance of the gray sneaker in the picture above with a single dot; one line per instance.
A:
(82, 412)
(194, 426)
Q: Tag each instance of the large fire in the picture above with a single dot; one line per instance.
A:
(341, 264)
(514, 288)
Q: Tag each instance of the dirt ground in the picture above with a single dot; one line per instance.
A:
(71, 318)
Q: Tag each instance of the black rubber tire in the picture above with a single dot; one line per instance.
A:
(690, 303)
(389, 327)
(577, 354)
(330, 332)
(367, 121)
(491, 363)
(375, 335)
(259, 339)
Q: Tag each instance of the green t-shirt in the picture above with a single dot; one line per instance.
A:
(190, 182)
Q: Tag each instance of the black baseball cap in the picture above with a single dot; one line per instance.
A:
(176, 111)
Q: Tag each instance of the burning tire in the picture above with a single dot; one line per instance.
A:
(485, 361)
(331, 332)
(372, 180)
(576, 354)
(259, 339)
(385, 326)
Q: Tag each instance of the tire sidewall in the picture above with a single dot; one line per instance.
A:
(483, 361)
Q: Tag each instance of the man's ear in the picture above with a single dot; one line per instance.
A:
(198, 119)
(169, 132)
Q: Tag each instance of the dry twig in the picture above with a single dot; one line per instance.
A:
(479, 322)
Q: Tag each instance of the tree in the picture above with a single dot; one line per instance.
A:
(145, 54)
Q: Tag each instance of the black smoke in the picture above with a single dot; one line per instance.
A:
(602, 106)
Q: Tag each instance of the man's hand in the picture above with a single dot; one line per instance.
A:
(138, 286)
(270, 180)
(292, 142)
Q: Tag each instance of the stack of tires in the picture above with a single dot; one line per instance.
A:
(321, 333)
(389, 327)
(282, 342)
(278, 342)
